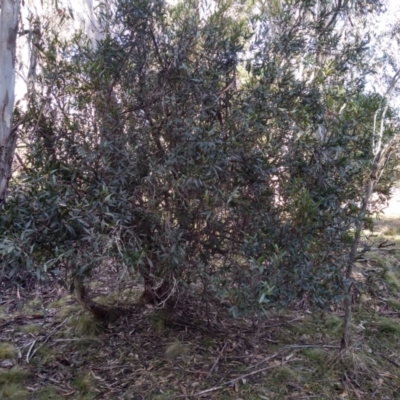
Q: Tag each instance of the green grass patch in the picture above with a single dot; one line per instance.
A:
(394, 304)
(285, 373)
(67, 311)
(176, 349)
(128, 296)
(378, 259)
(315, 354)
(388, 326)
(83, 383)
(392, 279)
(61, 302)
(208, 342)
(86, 325)
(167, 395)
(314, 327)
(304, 328)
(87, 342)
(14, 392)
(332, 326)
(32, 329)
(7, 351)
(158, 321)
(14, 375)
(45, 354)
(47, 393)
(280, 378)
(33, 305)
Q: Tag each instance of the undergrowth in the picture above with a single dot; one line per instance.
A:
(149, 354)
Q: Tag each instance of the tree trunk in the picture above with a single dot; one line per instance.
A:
(8, 34)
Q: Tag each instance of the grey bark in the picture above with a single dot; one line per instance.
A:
(9, 14)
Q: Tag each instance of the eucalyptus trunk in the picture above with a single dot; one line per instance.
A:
(8, 34)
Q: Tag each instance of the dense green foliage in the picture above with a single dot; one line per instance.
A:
(225, 149)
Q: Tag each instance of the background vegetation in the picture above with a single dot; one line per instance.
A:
(219, 150)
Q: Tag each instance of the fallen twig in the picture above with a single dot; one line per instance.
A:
(265, 360)
(389, 312)
(352, 387)
(203, 392)
(385, 244)
(308, 346)
(29, 356)
(5, 324)
(391, 361)
(230, 382)
(29, 350)
(217, 360)
(284, 322)
(20, 318)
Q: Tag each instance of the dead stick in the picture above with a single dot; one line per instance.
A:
(352, 387)
(308, 346)
(29, 350)
(45, 340)
(217, 360)
(231, 382)
(264, 360)
(391, 361)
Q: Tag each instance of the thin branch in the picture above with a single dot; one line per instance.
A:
(217, 360)
(29, 351)
(352, 387)
(21, 163)
(335, 15)
(266, 359)
(396, 364)
(153, 38)
(311, 346)
(231, 382)
(29, 356)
